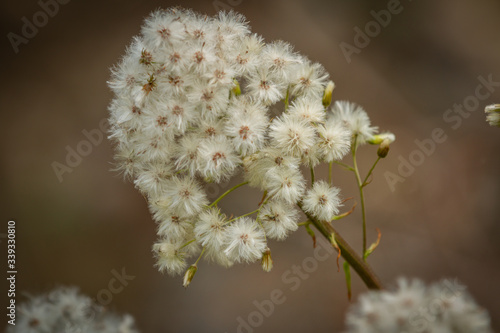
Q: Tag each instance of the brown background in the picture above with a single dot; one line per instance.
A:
(443, 221)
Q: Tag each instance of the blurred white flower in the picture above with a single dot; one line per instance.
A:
(63, 310)
(413, 307)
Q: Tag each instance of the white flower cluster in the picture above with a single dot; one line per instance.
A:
(65, 310)
(193, 99)
(443, 307)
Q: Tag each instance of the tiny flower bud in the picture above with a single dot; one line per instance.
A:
(379, 138)
(493, 114)
(383, 149)
(188, 276)
(267, 261)
(237, 88)
(327, 96)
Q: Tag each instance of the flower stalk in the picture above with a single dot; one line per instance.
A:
(364, 271)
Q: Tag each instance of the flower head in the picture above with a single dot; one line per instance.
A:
(355, 118)
(322, 201)
(245, 241)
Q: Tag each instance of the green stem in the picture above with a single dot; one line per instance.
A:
(370, 172)
(201, 254)
(226, 193)
(360, 187)
(186, 244)
(364, 271)
(247, 214)
(348, 167)
(312, 175)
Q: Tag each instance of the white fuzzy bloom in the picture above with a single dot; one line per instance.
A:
(186, 156)
(322, 201)
(153, 179)
(265, 87)
(170, 257)
(245, 241)
(259, 164)
(210, 228)
(281, 60)
(170, 225)
(162, 28)
(310, 109)
(65, 308)
(247, 128)
(217, 160)
(211, 233)
(310, 79)
(184, 196)
(292, 134)
(279, 219)
(285, 184)
(442, 307)
(248, 58)
(355, 118)
(334, 140)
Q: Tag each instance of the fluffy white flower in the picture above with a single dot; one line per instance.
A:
(170, 225)
(217, 159)
(169, 257)
(355, 119)
(153, 178)
(212, 100)
(280, 59)
(334, 140)
(322, 201)
(285, 183)
(309, 109)
(210, 232)
(257, 165)
(309, 80)
(186, 155)
(245, 241)
(210, 228)
(247, 130)
(292, 134)
(162, 28)
(265, 87)
(247, 59)
(184, 196)
(278, 218)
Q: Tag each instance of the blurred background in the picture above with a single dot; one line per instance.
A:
(441, 219)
